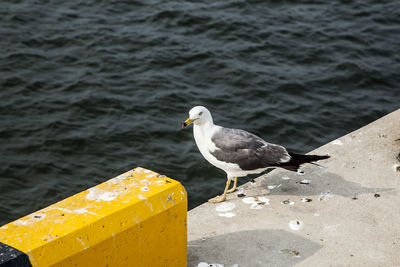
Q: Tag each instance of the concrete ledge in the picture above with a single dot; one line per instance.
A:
(135, 219)
(346, 214)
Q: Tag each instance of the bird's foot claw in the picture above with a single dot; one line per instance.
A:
(231, 190)
(216, 199)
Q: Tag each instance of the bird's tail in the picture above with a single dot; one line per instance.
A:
(297, 160)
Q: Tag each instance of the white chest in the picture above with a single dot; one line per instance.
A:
(203, 141)
(202, 136)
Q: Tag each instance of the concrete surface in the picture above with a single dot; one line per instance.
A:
(353, 218)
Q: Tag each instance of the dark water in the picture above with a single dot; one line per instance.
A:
(90, 89)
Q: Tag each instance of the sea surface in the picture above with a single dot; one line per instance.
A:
(90, 89)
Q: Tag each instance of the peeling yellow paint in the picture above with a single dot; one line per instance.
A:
(130, 220)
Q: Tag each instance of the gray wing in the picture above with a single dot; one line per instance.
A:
(247, 150)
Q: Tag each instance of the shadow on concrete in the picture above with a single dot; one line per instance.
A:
(252, 248)
(321, 182)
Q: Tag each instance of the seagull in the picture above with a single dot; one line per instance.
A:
(238, 152)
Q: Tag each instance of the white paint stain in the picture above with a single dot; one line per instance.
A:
(305, 181)
(227, 214)
(263, 200)
(160, 182)
(108, 196)
(274, 186)
(296, 225)
(97, 195)
(144, 189)
(256, 203)
(395, 167)
(92, 194)
(86, 211)
(255, 206)
(145, 181)
(77, 211)
(325, 196)
(316, 214)
(121, 177)
(141, 197)
(285, 178)
(248, 200)
(21, 222)
(151, 175)
(83, 211)
(337, 142)
(4, 227)
(225, 206)
(147, 171)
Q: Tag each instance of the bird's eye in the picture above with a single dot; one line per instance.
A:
(200, 113)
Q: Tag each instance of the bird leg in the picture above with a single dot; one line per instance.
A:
(233, 189)
(218, 199)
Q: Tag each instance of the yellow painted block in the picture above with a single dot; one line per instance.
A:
(135, 219)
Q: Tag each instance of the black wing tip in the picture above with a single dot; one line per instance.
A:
(322, 157)
(297, 160)
(309, 157)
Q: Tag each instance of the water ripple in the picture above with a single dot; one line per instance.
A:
(91, 89)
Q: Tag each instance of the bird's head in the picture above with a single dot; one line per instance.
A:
(198, 116)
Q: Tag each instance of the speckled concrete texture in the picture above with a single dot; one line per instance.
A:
(345, 214)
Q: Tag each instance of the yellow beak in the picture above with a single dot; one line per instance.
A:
(187, 123)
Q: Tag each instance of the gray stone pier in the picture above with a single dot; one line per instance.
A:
(346, 214)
